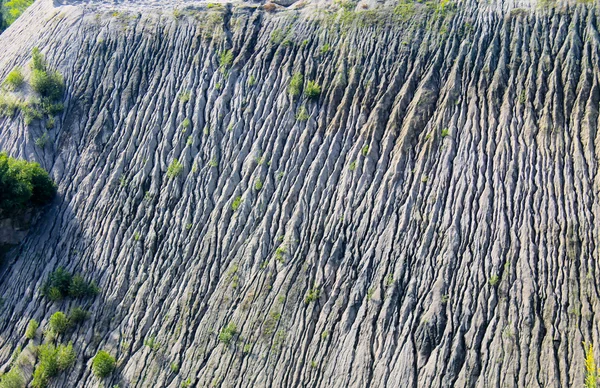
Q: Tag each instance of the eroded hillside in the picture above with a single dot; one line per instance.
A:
(426, 218)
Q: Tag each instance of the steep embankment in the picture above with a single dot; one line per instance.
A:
(428, 220)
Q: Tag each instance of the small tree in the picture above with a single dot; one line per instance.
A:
(103, 364)
(31, 330)
(59, 323)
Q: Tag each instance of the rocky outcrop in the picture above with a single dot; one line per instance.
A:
(427, 220)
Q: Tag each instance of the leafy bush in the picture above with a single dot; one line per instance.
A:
(227, 333)
(80, 288)
(31, 330)
(175, 169)
(313, 295)
(52, 361)
(296, 85)
(65, 356)
(59, 323)
(8, 105)
(313, 90)
(23, 184)
(61, 284)
(49, 85)
(38, 62)
(236, 203)
(302, 114)
(78, 315)
(226, 59)
(12, 379)
(15, 79)
(103, 364)
(13, 9)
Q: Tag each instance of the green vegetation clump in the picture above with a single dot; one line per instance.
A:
(103, 364)
(49, 85)
(12, 379)
(52, 360)
(61, 284)
(226, 59)
(11, 11)
(591, 371)
(31, 330)
(78, 315)
(59, 323)
(227, 333)
(296, 85)
(15, 79)
(175, 169)
(236, 203)
(23, 185)
(312, 295)
(302, 114)
(313, 90)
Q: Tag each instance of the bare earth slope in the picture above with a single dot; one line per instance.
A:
(431, 223)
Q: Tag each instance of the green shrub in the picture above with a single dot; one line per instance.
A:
(227, 333)
(59, 323)
(31, 330)
(186, 123)
(9, 105)
(80, 288)
(78, 315)
(103, 364)
(49, 85)
(175, 169)
(313, 90)
(38, 62)
(57, 285)
(12, 379)
(226, 59)
(61, 284)
(295, 86)
(236, 203)
(22, 185)
(302, 114)
(15, 79)
(65, 356)
(52, 360)
(494, 280)
(313, 295)
(13, 9)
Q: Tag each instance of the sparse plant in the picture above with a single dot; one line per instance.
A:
(236, 203)
(258, 184)
(295, 87)
(445, 132)
(313, 90)
(31, 330)
(312, 295)
(494, 280)
(227, 333)
(77, 315)
(15, 79)
(226, 59)
(185, 96)
(175, 169)
(186, 123)
(302, 114)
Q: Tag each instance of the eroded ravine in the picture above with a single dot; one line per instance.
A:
(432, 222)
